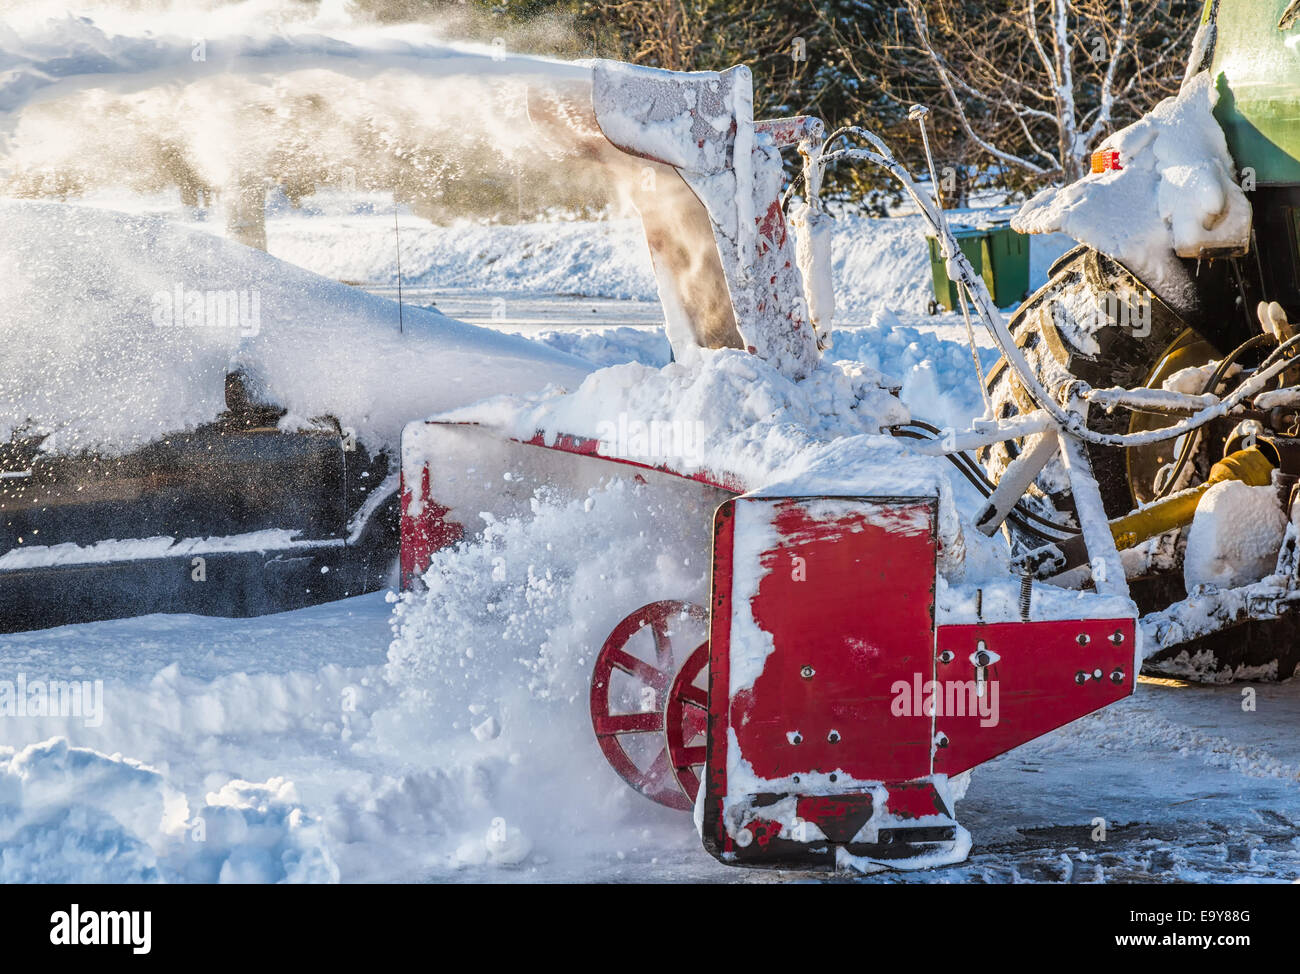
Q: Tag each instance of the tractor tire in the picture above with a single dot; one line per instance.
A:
(1053, 330)
(1093, 320)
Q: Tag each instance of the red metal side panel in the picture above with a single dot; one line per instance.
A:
(851, 598)
(425, 529)
(846, 598)
(1046, 674)
(425, 524)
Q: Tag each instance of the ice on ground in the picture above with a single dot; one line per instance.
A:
(102, 354)
(1176, 194)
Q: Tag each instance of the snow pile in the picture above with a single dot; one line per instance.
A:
(75, 815)
(880, 264)
(1235, 536)
(1176, 194)
(102, 353)
(937, 376)
(742, 418)
(609, 346)
(255, 833)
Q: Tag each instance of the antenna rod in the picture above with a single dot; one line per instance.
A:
(401, 326)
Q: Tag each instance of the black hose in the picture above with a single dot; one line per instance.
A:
(1020, 515)
(1190, 441)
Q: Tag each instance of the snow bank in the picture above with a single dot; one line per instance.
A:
(875, 262)
(880, 264)
(593, 258)
(76, 815)
(609, 346)
(1176, 195)
(101, 353)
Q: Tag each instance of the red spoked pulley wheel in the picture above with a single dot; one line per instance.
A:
(686, 721)
(630, 693)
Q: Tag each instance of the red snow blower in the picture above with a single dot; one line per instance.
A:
(822, 709)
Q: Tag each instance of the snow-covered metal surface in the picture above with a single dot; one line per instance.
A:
(1176, 194)
(702, 124)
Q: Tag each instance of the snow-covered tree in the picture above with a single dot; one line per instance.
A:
(1033, 85)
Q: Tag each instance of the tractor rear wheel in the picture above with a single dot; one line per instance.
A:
(1095, 321)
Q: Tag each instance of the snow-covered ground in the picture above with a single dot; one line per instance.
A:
(1190, 786)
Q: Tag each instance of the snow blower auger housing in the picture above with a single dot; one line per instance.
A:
(838, 735)
(822, 708)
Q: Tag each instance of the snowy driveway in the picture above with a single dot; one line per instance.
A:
(1191, 787)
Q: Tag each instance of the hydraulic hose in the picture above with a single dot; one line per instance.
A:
(1070, 422)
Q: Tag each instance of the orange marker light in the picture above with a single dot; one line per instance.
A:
(1104, 160)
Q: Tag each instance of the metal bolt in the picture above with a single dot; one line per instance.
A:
(1083, 639)
(796, 739)
(982, 658)
(1117, 676)
(835, 777)
(1081, 678)
(946, 656)
(833, 737)
(807, 672)
(1117, 637)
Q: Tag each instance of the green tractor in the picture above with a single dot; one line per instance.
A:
(1237, 313)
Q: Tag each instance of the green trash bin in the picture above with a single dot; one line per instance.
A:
(997, 253)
